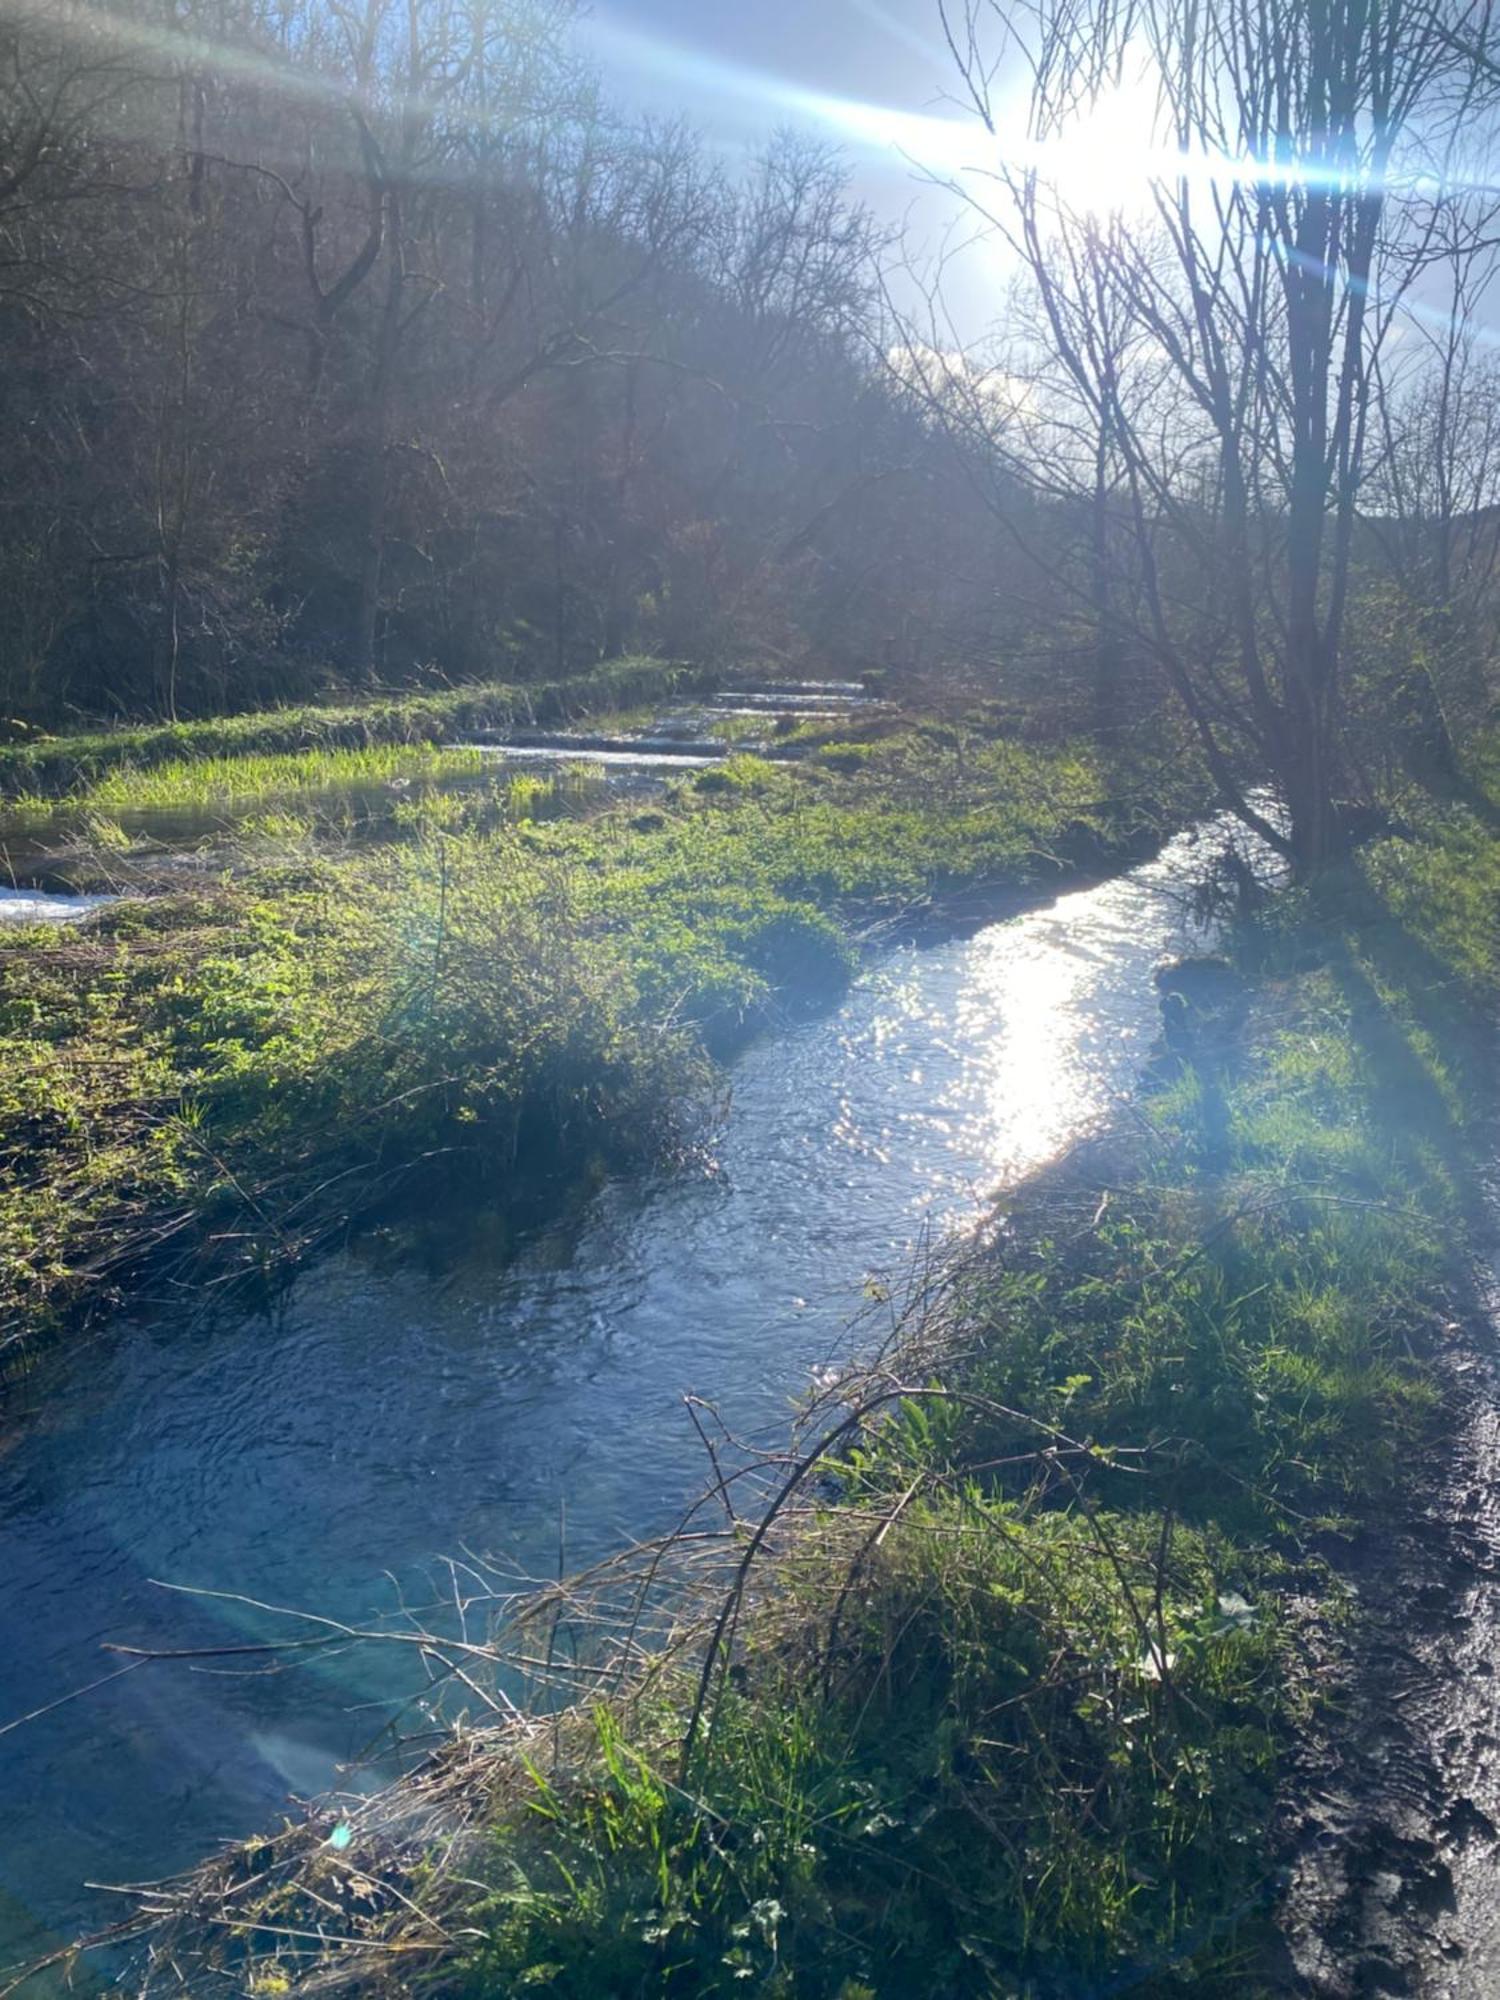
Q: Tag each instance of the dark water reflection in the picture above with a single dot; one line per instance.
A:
(383, 1417)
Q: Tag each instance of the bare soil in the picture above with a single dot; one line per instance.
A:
(1394, 1869)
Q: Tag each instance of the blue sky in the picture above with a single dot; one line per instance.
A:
(732, 67)
(863, 73)
(872, 76)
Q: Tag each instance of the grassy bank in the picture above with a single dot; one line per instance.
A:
(984, 1688)
(213, 782)
(52, 766)
(232, 1072)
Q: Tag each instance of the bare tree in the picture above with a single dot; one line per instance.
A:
(1218, 341)
(344, 339)
(1437, 487)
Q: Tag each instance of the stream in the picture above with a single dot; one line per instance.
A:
(325, 1455)
(38, 906)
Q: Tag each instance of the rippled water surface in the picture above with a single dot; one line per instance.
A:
(384, 1417)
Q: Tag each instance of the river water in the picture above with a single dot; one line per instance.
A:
(384, 1415)
(38, 906)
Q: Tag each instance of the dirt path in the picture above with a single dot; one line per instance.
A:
(1395, 1877)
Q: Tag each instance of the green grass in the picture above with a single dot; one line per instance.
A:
(56, 765)
(1004, 1704)
(208, 783)
(290, 795)
(233, 1070)
(983, 1781)
(284, 794)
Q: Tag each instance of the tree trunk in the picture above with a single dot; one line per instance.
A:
(1316, 829)
(377, 475)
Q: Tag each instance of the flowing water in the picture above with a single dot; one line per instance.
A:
(323, 1457)
(42, 906)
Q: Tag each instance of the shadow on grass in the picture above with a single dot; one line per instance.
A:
(1411, 1020)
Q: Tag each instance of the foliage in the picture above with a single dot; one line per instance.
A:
(998, 1782)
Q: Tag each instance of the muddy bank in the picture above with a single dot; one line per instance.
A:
(1393, 1826)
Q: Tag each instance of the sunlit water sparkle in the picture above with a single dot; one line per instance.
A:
(383, 1416)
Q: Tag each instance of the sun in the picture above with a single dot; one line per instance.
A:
(1104, 157)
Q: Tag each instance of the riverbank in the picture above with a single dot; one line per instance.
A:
(1007, 1686)
(216, 1080)
(52, 767)
(458, 1376)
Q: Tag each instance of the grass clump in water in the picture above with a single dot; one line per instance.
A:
(254, 1062)
(212, 783)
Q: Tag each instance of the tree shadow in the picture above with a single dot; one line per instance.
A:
(1204, 1003)
(1432, 758)
(1393, 984)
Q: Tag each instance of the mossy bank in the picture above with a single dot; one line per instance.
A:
(234, 1070)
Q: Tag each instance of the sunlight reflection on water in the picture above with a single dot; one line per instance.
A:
(384, 1415)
